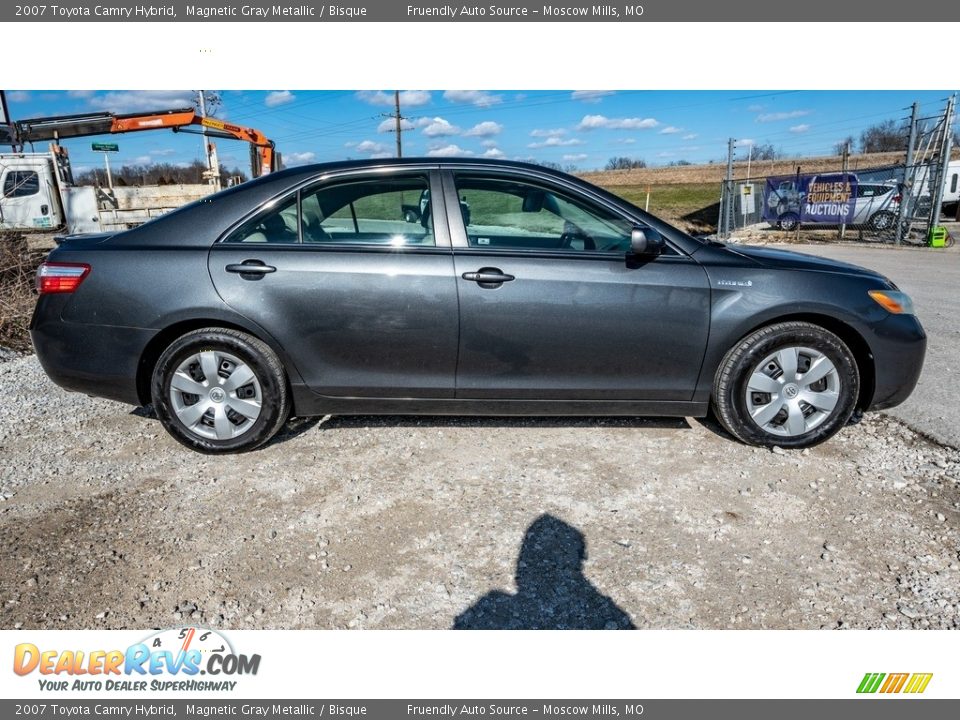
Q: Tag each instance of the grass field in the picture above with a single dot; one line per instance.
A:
(693, 207)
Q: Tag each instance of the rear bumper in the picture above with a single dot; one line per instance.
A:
(99, 360)
(899, 345)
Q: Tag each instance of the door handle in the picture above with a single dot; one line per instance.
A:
(250, 267)
(488, 276)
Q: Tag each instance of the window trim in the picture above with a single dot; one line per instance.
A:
(441, 230)
(458, 231)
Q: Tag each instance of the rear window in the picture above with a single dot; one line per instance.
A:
(21, 183)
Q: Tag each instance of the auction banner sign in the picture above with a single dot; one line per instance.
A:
(821, 199)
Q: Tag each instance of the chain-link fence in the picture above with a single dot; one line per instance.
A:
(896, 202)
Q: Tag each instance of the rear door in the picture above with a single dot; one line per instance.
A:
(551, 307)
(363, 301)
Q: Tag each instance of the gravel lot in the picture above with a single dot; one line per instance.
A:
(434, 523)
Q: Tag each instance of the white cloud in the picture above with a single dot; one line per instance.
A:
(438, 127)
(488, 128)
(450, 150)
(799, 129)
(408, 98)
(626, 141)
(777, 116)
(671, 130)
(480, 98)
(556, 142)
(755, 108)
(595, 122)
(691, 136)
(124, 101)
(575, 157)
(18, 96)
(550, 132)
(746, 141)
(494, 152)
(170, 151)
(390, 125)
(142, 160)
(279, 97)
(369, 146)
(590, 96)
(489, 143)
(82, 94)
(299, 158)
(381, 155)
(664, 154)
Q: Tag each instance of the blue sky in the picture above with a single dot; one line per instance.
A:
(582, 128)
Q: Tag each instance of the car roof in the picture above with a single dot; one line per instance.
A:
(373, 163)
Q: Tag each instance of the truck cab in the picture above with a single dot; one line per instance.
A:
(29, 195)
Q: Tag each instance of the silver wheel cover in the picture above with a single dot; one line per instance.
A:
(215, 395)
(792, 391)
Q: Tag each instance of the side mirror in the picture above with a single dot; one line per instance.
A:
(645, 241)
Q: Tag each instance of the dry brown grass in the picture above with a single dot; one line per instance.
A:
(18, 265)
(715, 172)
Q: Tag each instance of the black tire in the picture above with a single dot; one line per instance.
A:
(730, 383)
(788, 221)
(268, 371)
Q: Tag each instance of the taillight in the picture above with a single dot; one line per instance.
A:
(60, 277)
(896, 198)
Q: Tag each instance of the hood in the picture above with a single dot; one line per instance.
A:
(790, 260)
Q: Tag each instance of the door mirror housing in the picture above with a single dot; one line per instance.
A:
(645, 241)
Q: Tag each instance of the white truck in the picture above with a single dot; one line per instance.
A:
(38, 194)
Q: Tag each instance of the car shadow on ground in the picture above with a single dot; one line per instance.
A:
(336, 422)
(552, 591)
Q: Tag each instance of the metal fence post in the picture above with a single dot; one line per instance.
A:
(728, 184)
(906, 194)
(944, 162)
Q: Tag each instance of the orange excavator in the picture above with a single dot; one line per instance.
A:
(263, 155)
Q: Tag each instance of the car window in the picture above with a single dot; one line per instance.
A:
(504, 213)
(953, 183)
(381, 211)
(276, 225)
(21, 183)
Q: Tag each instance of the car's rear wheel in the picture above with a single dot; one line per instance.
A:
(793, 384)
(220, 391)
(883, 220)
(789, 221)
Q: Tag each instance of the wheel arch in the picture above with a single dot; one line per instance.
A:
(159, 342)
(850, 336)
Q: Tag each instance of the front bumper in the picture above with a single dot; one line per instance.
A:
(899, 345)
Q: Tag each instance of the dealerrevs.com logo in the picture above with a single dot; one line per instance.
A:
(180, 659)
(910, 683)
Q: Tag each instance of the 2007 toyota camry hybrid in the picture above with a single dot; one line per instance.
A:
(461, 287)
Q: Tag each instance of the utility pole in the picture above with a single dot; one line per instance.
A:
(726, 205)
(909, 174)
(944, 162)
(846, 168)
(398, 122)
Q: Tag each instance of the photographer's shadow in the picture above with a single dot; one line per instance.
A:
(552, 592)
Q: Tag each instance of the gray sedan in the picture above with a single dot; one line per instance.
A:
(513, 290)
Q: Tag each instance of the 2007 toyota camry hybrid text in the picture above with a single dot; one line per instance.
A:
(461, 287)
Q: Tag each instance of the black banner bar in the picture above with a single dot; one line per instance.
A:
(500, 11)
(868, 708)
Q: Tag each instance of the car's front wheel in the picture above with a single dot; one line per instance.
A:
(218, 390)
(793, 384)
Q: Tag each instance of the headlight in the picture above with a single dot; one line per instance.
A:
(893, 301)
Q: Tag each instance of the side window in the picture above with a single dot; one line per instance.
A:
(275, 225)
(504, 213)
(21, 183)
(387, 210)
(953, 183)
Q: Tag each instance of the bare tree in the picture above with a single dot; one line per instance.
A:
(625, 163)
(887, 136)
(847, 142)
(765, 151)
(158, 174)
